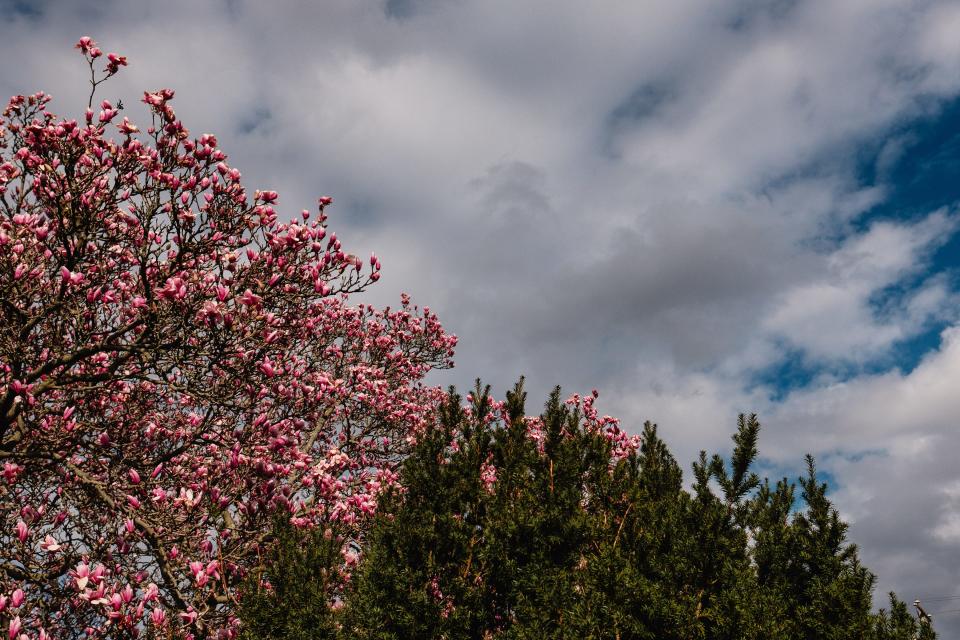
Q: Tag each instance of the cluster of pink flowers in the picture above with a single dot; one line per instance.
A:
(488, 474)
(496, 416)
(622, 444)
(433, 588)
(177, 367)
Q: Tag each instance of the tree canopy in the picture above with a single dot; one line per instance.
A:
(560, 526)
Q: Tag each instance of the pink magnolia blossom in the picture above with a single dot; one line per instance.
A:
(50, 544)
(488, 475)
(85, 44)
(81, 575)
(158, 617)
(115, 62)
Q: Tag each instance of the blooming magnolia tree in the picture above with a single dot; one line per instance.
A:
(178, 367)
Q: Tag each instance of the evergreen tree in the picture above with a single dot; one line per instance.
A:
(560, 526)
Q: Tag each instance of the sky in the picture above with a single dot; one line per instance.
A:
(698, 208)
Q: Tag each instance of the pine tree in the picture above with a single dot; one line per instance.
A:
(559, 526)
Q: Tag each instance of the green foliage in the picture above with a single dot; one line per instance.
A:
(574, 541)
(291, 597)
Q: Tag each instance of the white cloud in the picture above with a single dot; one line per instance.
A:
(893, 438)
(831, 316)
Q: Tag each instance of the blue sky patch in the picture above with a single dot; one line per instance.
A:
(919, 165)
